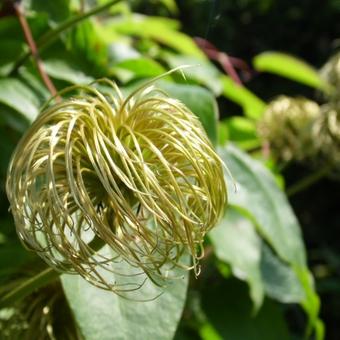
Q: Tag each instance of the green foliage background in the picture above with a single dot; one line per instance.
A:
(256, 281)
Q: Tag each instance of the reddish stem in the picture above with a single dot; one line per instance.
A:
(228, 63)
(33, 47)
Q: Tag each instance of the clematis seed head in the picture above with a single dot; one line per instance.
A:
(100, 178)
(287, 126)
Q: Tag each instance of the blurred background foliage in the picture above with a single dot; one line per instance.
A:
(284, 217)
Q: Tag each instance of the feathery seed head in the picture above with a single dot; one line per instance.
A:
(330, 72)
(136, 174)
(287, 127)
(326, 132)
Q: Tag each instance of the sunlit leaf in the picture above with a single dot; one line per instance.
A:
(104, 315)
(160, 29)
(253, 106)
(135, 68)
(242, 131)
(19, 97)
(289, 67)
(67, 70)
(203, 72)
(170, 5)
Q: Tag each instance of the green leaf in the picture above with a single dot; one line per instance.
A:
(10, 49)
(130, 69)
(200, 101)
(258, 194)
(162, 30)
(86, 43)
(289, 67)
(223, 133)
(57, 10)
(19, 97)
(67, 70)
(242, 132)
(260, 199)
(229, 310)
(253, 106)
(236, 242)
(170, 5)
(280, 281)
(203, 72)
(104, 315)
(12, 256)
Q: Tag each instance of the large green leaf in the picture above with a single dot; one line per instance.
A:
(203, 72)
(229, 310)
(66, 69)
(258, 194)
(252, 105)
(255, 263)
(57, 10)
(261, 200)
(162, 30)
(280, 281)
(235, 241)
(135, 68)
(289, 67)
(104, 315)
(19, 97)
(200, 101)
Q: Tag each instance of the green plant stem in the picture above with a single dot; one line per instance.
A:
(29, 286)
(308, 181)
(47, 38)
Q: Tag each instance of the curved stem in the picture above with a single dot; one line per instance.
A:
(306, 182)
(51, 35)
(29, 286)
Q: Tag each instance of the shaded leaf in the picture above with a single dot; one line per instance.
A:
(235, 241)
(10, 49)
(12, 256)
(229, 310)
(280, 281)
(57, 10)
(261, 200)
